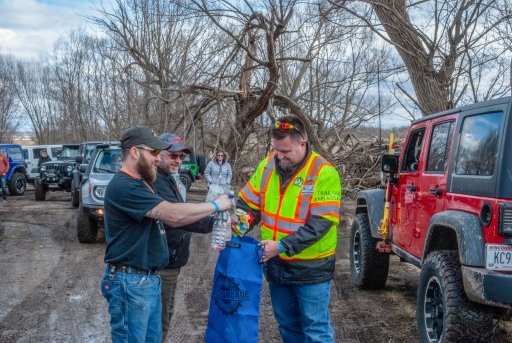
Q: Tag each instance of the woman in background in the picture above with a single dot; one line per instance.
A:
(218, 173)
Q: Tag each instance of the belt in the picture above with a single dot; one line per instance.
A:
(121, 268)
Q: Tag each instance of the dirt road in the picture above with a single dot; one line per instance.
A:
(49, 285)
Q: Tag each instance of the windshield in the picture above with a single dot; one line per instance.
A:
(108, 161)
(68, 153)
(189, 158)
(89, 150)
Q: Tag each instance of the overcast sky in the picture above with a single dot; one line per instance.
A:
(29, 28)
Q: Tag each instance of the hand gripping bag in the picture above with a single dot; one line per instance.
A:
(236, 292)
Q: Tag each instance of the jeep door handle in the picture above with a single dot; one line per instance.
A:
(436, 191)
(411, 188)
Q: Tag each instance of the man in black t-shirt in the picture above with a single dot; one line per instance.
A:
(136, 243)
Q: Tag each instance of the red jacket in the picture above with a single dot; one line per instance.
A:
(4, 164)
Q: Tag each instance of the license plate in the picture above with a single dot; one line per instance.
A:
(498, 257)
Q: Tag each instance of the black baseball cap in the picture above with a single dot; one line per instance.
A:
(142, 135)
(176, 143)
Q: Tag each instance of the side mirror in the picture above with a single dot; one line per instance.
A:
(79, 159)
(390, 164)
(83, 167)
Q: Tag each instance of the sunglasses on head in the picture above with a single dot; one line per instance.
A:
(154, 152)
(286, 127)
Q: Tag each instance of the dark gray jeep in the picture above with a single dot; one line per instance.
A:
(56, 175)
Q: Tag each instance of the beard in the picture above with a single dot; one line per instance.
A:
(285, 166)
(168, 167)
(146, 170)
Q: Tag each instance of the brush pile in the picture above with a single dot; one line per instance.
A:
(359, 162)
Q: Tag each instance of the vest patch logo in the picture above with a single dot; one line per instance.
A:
(227, 295)
(299, 181)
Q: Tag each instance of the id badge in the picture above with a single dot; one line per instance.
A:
(308, 189)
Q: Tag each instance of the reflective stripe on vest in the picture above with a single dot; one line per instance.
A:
(250, 196)
(285, 214)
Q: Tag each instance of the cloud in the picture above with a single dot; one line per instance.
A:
(29, 28)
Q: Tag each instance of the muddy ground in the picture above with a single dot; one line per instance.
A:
(49, 284)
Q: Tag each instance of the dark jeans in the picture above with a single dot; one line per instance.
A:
(4, 190)
(169, 282)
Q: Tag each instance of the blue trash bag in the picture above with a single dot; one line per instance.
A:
(236, 292)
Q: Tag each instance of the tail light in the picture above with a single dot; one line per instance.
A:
(505, 227)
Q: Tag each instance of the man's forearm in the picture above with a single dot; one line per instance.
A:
(179, 214)
(204, 225)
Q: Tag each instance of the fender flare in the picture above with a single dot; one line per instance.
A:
(17, 169)
(371, 201)
(470, 239)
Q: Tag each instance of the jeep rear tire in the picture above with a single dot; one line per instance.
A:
(369, 267)
(75, 197)
(40, 192)
(186, 180)
(17, 184)
(86, 227)
(443, 312)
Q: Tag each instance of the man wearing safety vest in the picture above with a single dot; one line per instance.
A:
(296, 195)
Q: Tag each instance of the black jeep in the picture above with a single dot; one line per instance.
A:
(56, 175)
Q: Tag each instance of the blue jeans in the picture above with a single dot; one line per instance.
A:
(134, 305)
(302, 312)
(4, 190)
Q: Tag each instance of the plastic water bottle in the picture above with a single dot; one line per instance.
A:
(221, 232)
(221, 229)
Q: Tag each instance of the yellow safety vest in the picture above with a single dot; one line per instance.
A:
(315, 189)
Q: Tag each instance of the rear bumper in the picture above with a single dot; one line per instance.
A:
(488, 287)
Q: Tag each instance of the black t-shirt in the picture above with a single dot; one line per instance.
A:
(133, 239)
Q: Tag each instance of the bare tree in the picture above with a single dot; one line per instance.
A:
(163, 41)
(32, 85)
(9, 117)
(446, 46)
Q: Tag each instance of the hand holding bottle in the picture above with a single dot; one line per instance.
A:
(223, 202)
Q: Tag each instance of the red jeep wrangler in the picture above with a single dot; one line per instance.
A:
(447, 209)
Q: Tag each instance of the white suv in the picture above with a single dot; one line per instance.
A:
(31, 154)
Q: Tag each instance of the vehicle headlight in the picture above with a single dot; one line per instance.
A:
(99, 191)
(43, 168)
(69, 168)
